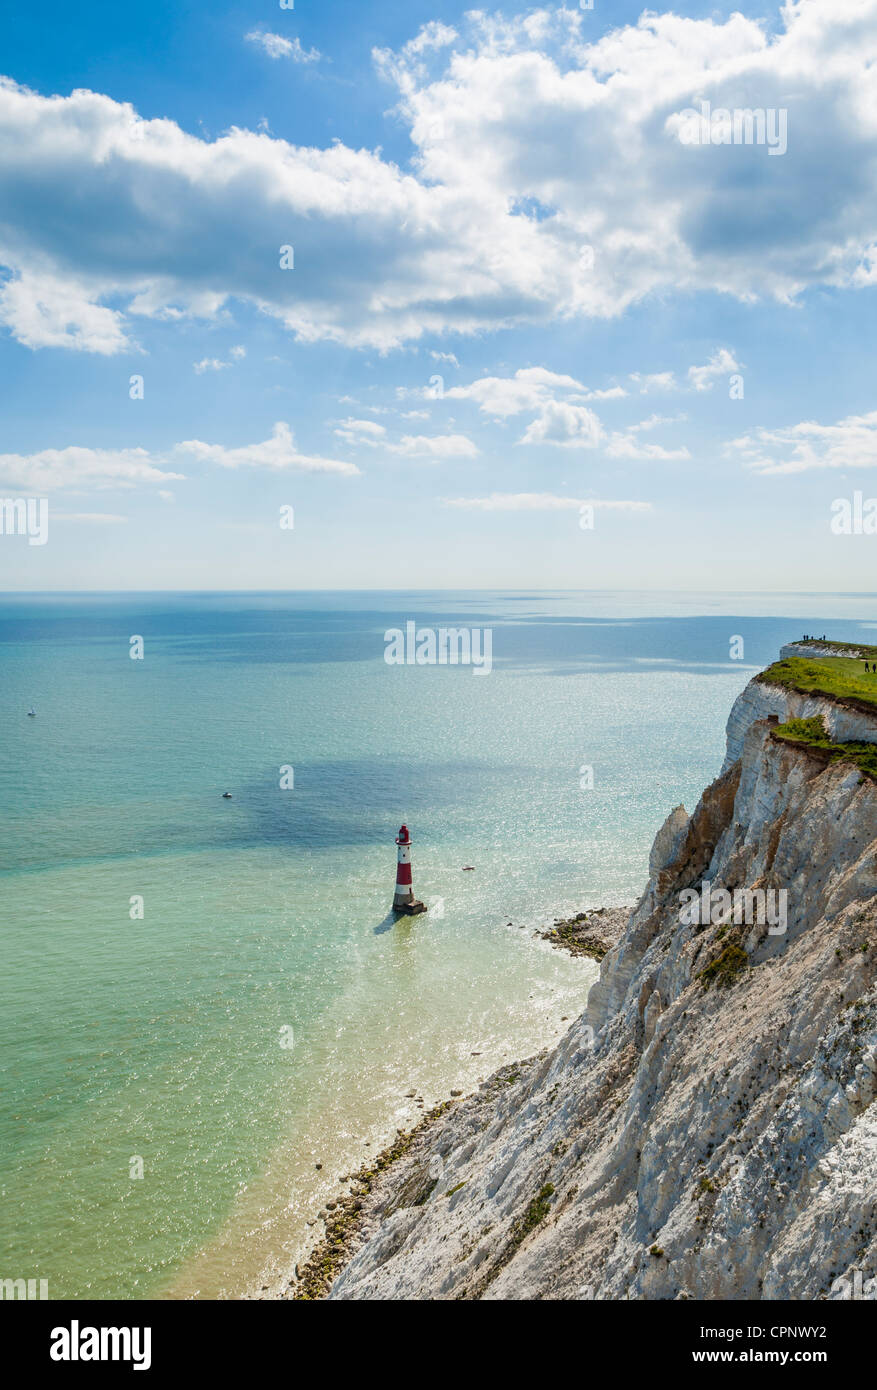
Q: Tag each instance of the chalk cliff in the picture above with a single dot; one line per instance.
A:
(694, 1135)
(845, 722)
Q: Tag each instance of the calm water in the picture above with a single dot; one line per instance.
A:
(160, 1038)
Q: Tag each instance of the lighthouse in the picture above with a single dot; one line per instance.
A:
(404, 899)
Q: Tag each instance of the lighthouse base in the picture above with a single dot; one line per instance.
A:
(409, 909)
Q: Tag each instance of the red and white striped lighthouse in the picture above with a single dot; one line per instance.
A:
(404, 899)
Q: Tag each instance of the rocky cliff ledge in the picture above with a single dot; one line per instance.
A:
(707, 1129)
(846, 721)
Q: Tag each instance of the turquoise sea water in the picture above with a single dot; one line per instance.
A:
(161, 1038)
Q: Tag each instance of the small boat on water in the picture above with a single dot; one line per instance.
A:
(31, 714)
(226, 796)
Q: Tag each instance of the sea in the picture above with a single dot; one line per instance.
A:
(208, 1014)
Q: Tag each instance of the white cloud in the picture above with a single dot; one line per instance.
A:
(611, 393)
(568, 426)
(438, 446)
(278, 47)
(76, 467)
(555, 400)
(517, 112)
(722, 363)
(48, 310)
(51, 469)
(627, 446)
(360, 432)
(653, 421)
(538, 502)
(277, 453)
(851, 443)
(530, 389)
(216, 364)
(654, 381)
(431, 35)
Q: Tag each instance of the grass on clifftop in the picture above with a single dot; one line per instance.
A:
(812, 733)
(834, 676)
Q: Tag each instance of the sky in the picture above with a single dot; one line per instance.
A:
(408, 295)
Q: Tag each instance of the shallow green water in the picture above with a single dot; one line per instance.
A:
(160, 1038)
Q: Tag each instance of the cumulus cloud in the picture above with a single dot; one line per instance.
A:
(360, 432)
(653, 381)
(851, 443)
(370, 433)
(49, 310)
(436, 446)
(538, 502)
(83, 468)
(722, 363)
(276, 46)
(435, 34)
(51, 469)
(559, 418)
(625, 445)
(277, 453)
(568, 426)
(653, 421)
(530, 389)
(531, 142)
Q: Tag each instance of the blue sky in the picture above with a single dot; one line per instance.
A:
(501, 200)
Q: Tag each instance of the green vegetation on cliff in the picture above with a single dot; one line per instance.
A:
(836, 677)
(812, 734)
(727, 967)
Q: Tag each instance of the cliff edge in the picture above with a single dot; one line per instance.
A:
(707, 1128)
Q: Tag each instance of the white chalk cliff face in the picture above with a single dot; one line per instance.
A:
(845, 724)
(684, 1140)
